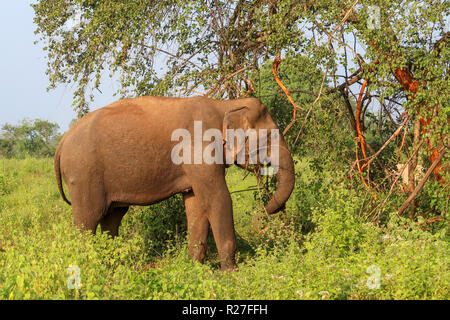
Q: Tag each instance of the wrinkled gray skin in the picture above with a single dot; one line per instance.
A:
(120, 155)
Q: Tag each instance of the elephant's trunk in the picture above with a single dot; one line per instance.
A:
(286, 179)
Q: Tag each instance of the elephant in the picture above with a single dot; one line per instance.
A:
(120, 155)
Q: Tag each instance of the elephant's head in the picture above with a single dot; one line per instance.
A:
(254, 119)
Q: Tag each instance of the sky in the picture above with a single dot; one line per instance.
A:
(23, 82)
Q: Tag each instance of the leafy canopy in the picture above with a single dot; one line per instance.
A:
(214, 46)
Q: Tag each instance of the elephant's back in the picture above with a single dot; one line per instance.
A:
(137, 127)
(158, 104)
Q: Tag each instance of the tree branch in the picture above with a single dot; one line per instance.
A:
(419, 187)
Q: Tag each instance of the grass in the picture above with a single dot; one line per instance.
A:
(40, 248)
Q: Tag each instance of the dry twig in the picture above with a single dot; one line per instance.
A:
(419, 187)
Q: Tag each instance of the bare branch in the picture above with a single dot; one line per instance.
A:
(419, 187)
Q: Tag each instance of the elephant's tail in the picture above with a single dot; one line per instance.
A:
(58, 173)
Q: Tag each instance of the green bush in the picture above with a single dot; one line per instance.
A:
(341, 256)
(163, 225)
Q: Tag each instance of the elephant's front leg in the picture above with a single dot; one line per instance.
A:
(210, 204)
(222, 225)
(198, 227)
(216, 198)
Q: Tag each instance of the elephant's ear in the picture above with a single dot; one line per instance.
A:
(234, 119)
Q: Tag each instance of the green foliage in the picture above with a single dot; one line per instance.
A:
(206, 41)
(163, 224)
(226, 48)
(433, 198)
(297, 72)
(37, 138)
(39, 242)
(323, 245)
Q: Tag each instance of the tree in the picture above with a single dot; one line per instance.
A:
(384, 56)
(36, 138)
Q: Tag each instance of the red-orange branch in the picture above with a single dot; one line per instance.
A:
(406, 79)
(360, 135)
(275, 64)
(358, 121)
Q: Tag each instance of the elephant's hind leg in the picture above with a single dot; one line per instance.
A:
(111, 221)
(86, 217)
(88, 206)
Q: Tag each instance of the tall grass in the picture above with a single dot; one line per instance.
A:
(318, 249)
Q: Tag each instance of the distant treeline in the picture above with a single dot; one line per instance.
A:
(35, 138)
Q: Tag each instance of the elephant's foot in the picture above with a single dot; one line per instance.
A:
(227, 260)
(228, 267)
(197, 251)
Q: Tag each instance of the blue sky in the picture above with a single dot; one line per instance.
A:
(23, 81)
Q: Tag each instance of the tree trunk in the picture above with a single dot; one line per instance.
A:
(412, 167)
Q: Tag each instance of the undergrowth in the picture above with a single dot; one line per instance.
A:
(318, 248)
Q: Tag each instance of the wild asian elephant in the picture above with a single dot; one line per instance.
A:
(123, 154)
